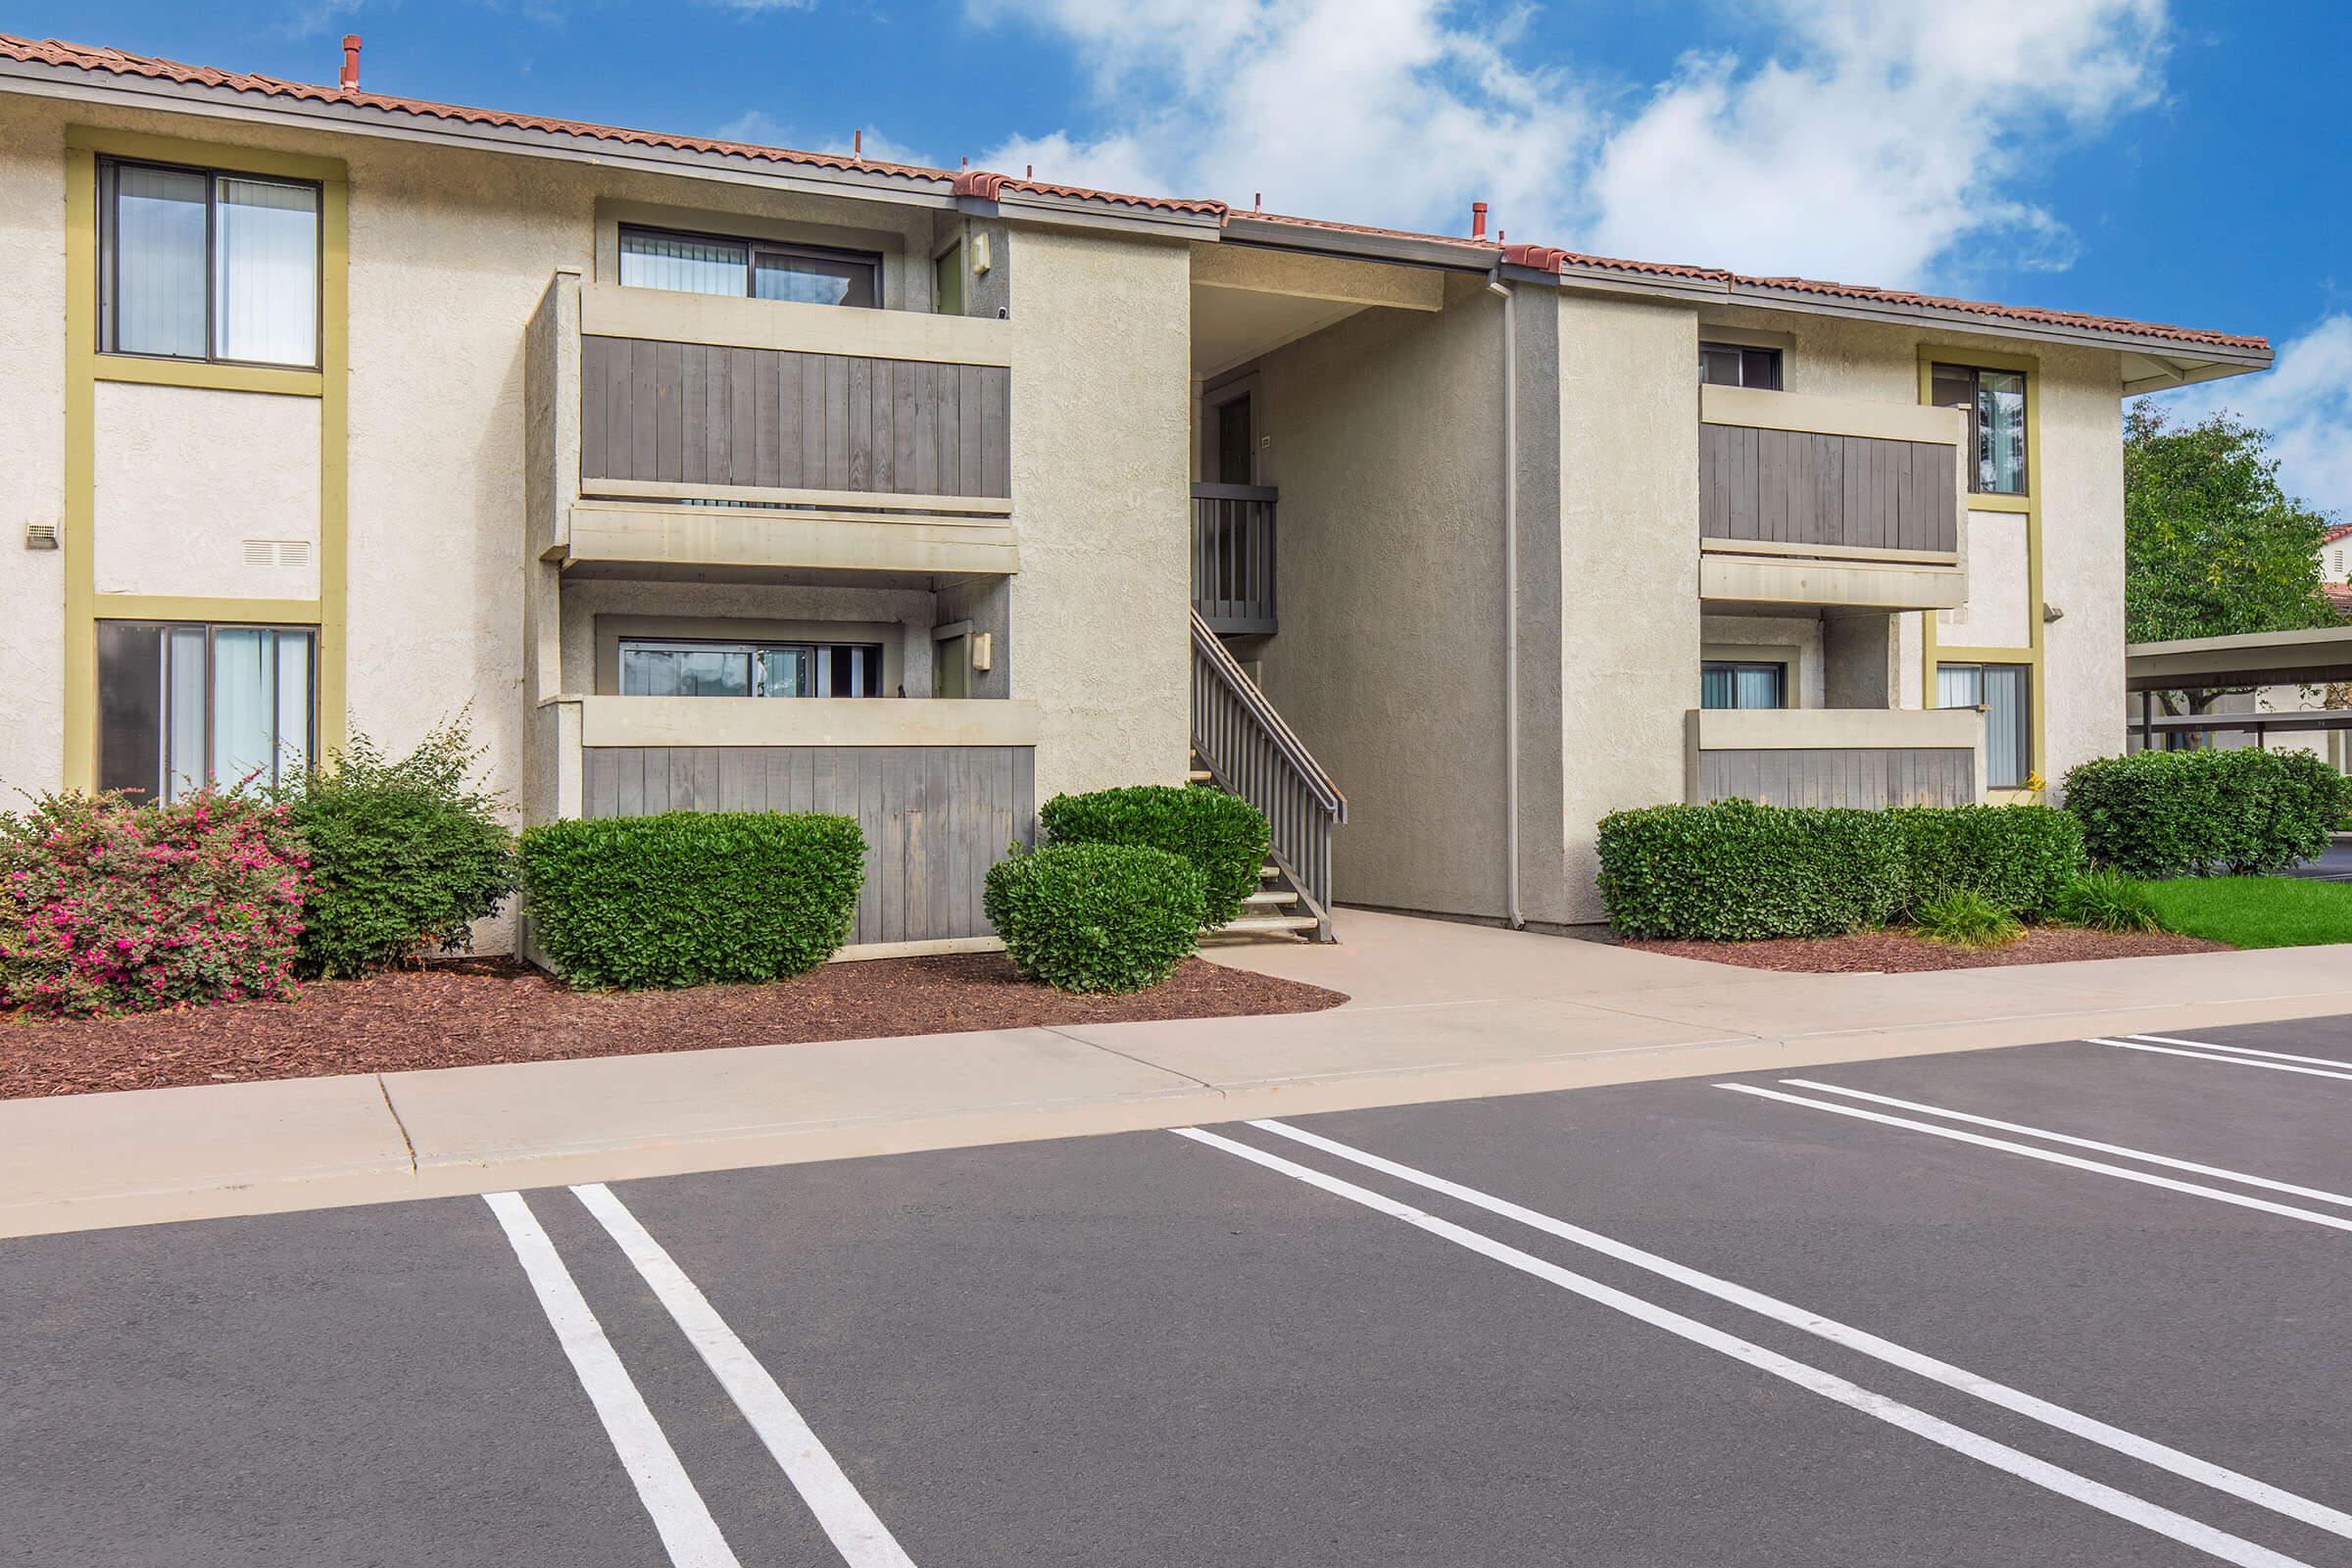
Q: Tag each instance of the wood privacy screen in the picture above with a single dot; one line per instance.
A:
(697, 414)
(935, 817)
(1796, 487)
(1870, 777)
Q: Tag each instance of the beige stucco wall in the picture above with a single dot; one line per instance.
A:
(32, 371)
(1387, 445)
(1100, 390)
(1999, 611)
(2081, 558)
(185, 475)
(1629, 540)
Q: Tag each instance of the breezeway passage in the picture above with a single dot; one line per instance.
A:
(1653, 1323)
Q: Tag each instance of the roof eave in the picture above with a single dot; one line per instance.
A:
(73, 82)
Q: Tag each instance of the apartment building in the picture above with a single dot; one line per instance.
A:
(728, 476)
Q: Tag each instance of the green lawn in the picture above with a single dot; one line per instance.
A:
(2254, 911)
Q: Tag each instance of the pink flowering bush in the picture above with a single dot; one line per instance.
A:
(107, 906)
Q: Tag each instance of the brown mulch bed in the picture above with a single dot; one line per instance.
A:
(461, 1015)
(1899, 952)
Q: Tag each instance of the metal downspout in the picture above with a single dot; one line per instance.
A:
(1510, 599)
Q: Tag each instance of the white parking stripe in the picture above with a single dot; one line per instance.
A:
(856, 1532)
(1999, 1456)
(2246, 1051)
(2227, 1061)
(687, 1532)
(2315, 1192)
(2240, 1200)
(2145, 1450)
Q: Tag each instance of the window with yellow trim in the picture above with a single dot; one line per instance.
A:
(207, 265)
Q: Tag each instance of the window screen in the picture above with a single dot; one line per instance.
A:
(1737, 364)
(702, 264)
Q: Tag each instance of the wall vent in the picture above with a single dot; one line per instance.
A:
(40, 536)
(277, 552)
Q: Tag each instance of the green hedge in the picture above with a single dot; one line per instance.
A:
(404, 855)
(2191, 814)
(1222, 835)
(2018, 857)
(1735, 871)
(687, 897)
(1095, 916)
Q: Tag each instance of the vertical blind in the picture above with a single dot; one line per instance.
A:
(159, 262)
(683, 263)
(181, 704)
(1739, 685)
(266, 287)
(2000, 690)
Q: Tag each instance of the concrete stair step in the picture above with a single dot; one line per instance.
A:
(1200, 775)
(1269, 898)
(1267, 925)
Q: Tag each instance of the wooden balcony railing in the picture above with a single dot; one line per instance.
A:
(1233, 558)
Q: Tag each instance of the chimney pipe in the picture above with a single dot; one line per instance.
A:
(858, 143)
(1477, 219)
(351, 62)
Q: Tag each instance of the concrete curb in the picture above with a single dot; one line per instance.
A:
(141, 1157)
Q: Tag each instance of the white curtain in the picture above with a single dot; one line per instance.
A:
(266, 287)
(683, 264)
(2000, 690)
(293, 703)
(183, 711)
(244, 706)
(159, 262)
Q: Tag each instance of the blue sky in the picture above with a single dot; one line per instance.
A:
(2173, 161)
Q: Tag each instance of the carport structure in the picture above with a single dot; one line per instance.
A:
(2226, 664)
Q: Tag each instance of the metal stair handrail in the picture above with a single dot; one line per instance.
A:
(1251, 753)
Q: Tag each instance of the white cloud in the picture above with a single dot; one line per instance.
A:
(1382, 111)
(1880, 143)
(1876, 143)
(2305, 402)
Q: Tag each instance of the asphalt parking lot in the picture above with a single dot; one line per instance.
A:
(2074, 1303)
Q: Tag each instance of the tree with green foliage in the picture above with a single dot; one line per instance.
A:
(2212, 547)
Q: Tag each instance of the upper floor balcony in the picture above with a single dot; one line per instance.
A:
(1822, 501)
(688, 433)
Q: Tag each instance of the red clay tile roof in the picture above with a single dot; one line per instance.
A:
(2339, 593)
(85, 57)
(2342, 530)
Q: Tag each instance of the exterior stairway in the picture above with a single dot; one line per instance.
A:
(1242, 746)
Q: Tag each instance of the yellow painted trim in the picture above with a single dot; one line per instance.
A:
(81, 756)
(2030, 503)
(208, 374)
(85, 368)
(177, 607)
(202, 154)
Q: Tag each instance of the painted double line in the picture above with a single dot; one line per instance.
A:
(1960, 1440)
(681, 1518)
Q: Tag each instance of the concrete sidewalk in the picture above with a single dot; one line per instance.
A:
(1439, 1012)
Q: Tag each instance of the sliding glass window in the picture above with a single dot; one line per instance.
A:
(200, 264)
(650, 668)
(1726, 684)
(1994, 402)
(2003, 692)
(181, 704)
(705, 264)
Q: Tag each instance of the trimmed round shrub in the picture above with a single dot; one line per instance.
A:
(2155, 814)
(1222, 835)
(2018, 857)
(1735, 871)
(1095, 916)
(2107, 901)
(690, 898)
(105, 907)
(405, 855)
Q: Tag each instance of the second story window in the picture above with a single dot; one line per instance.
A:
(1737, 365)
(704, 264)
(205, 264)
(1994, 402)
